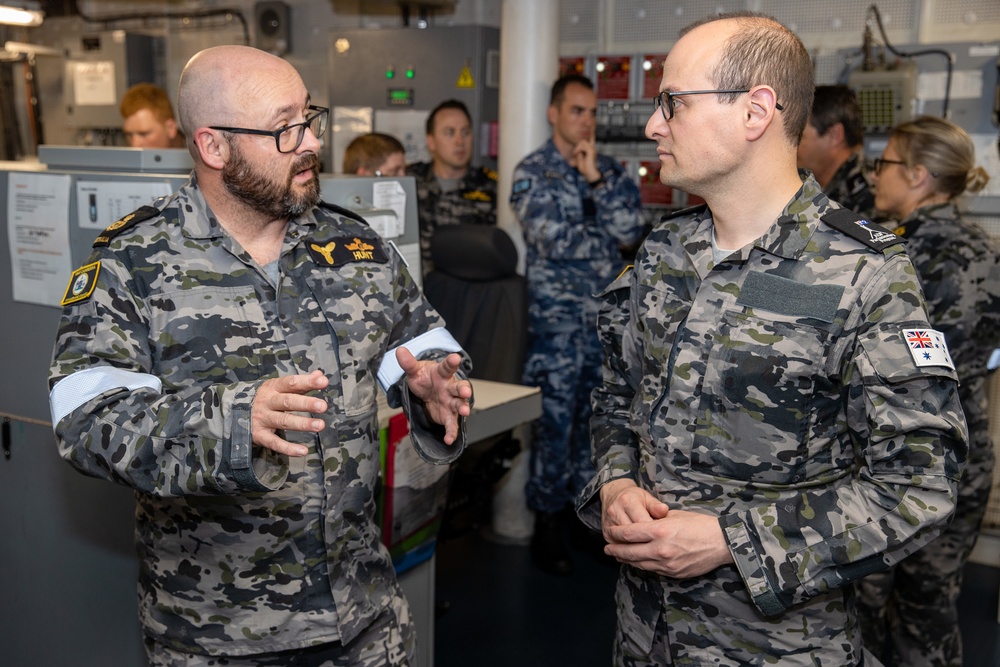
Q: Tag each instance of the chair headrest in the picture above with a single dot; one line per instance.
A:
(473, 252)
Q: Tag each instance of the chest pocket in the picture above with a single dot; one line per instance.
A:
(761, 381)
(765, 384)
(207, 335)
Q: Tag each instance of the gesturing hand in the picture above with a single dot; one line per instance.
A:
(274, 408)
(445, 396)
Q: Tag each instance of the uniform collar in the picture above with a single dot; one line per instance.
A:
(844, 172)
(946, 211)
(198, 221)
(786, 238)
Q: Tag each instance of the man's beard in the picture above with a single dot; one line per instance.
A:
(262, 193)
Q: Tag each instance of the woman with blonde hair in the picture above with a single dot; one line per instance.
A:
(910, 612)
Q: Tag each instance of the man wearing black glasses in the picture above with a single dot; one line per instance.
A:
(777, 419)
(220, 353)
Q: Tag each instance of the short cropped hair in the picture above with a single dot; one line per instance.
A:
(838, 104)
(764, 52)
(559, 87)
(147, 96)
(370, 151)
(447, 104)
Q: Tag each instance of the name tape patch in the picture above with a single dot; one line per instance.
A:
(340, 251)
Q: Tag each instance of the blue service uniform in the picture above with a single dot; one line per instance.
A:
(572, 233)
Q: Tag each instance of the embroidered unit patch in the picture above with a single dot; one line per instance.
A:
(81, 284)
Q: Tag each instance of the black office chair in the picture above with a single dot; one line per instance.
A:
(484, 301)
(476, 288)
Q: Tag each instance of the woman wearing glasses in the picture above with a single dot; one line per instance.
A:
(927, 164)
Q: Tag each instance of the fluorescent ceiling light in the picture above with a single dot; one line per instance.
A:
(19, 48)
(16, 16)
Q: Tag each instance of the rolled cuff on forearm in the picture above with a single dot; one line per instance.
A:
(265, 471)
(390, 372)
(428, 436)
(588, 503)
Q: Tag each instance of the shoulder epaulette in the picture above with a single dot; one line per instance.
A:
(490, 173)
(869, 233)
(343, 211)
(129, 221)
(683, 212)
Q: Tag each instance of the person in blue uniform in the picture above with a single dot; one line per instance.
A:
(576, 209)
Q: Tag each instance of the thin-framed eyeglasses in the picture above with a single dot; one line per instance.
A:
(879, 163)
(665, 100)
(289, 138)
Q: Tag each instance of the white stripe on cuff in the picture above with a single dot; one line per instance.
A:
(389, 372)
(74, 390)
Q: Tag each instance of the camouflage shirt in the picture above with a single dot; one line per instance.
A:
(851, 188)
(241, 550)
(959, 269)
(777, 391)
(474, 202)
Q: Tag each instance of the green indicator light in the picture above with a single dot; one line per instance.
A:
(410, 73)
(389, 73)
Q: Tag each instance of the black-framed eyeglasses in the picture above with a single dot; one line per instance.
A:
(878, 163)
(287, 139)
(665, 100)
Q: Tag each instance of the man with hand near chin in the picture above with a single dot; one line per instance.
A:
(577, 208)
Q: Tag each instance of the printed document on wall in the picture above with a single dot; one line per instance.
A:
(38, 235)
(99, 203)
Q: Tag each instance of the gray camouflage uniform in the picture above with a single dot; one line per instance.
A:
(473, 203)
(773, 390)
(242, 550)
(851, 188)
(572, 233)
(916, 601)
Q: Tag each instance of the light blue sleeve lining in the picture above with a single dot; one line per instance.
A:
(390, 372)
(74, 390)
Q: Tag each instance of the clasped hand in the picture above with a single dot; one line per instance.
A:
(645, 533)
(282, 404)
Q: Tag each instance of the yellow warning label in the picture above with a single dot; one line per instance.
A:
(465, 79)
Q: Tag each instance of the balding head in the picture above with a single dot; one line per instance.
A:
(747, 49)
(223, 85)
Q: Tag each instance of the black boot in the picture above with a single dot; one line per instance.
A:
(548, 544)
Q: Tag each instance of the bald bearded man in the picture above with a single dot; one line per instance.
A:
(220, 353)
